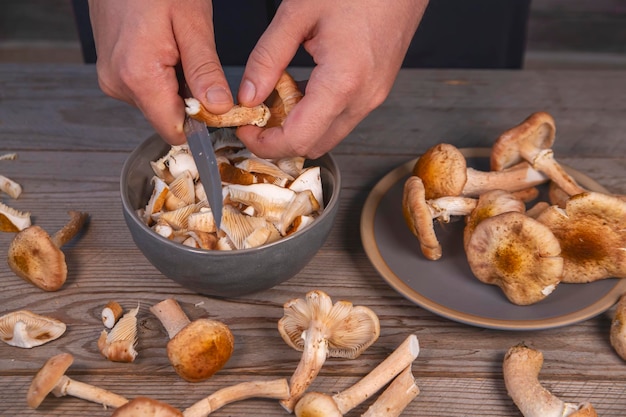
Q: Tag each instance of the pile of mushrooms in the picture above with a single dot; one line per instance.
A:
(575, 237)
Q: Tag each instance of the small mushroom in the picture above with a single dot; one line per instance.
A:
(119, 344)
(276, 389)
(26, 329)
(444, 171)
(319, 329)
(37, 257)
(618, 328)
(12, 220)
(521, 367)
(111, 313)
(237, 116)
(316, 404)
(531, 141)
(518, 254)
(591, 231)
(146, 407)
(196, 349)
(51, 378)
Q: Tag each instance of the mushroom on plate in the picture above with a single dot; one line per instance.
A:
(591, 229)
(26, 329)
(146, 407)
(51, 378)
(37, 257)
(319, 329)
(316, 404)
(197, 349)
(518, 254)
(521, 368)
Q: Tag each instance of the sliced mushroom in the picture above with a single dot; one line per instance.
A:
(111, 313)
(591, 231)
(37, 257)
(237, 116)
(518, 254)
(12, 188)
(521, 367)
(618, 328)
(276, 389)
(320, 329)
(318, 404)
(444, 171)
(146, 407)
(26, 329)
(531, 141)
(197, 349)
(12, 220)
(51, 378)
(118, 345)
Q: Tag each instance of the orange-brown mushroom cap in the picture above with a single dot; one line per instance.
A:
(47, 378)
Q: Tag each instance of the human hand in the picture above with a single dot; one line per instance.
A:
(140, 43)
(358, 47)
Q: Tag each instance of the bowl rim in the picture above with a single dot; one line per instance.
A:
(130, 212)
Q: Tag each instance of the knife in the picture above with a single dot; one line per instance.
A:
(201, 147)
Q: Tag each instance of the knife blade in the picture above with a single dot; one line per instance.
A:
(201, 148)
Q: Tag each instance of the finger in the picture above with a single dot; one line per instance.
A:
(201, 65)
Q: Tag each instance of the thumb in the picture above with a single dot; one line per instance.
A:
(203, 71)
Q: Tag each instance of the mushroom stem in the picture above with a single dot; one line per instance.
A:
(7, 185)
(68, 386)
(544, 161)
(171, 315)
(396, 397)
(277, 389)
(236, 116)
(399, 360)
(71, 228)
(516, 178)
(521, 368)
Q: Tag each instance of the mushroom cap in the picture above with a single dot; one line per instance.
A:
(518, 254)
(537, 130)
(349, 329)
(200, 349)
(34, 257)
(26, 329)
(590, 230)
(146, 407)
(47, 378)
(443, 169)
(418, 217)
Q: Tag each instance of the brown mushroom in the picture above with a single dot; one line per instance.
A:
(590, 229)
(444, 171)
(26, 329)
(419, 214)
(521, 367)
(316, 404)
(37, 257)
(277, 389)
(531, 141)
(146, 407)
(518, 254)
(196, 349)
(51, 378)
(319, 329)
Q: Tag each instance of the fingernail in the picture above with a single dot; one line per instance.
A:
(247, 91)
(217, 95)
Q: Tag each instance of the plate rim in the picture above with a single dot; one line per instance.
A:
(376, 259)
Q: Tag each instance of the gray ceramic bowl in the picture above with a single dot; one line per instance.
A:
(223, 273)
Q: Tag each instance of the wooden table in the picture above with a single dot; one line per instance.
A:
(72, 140)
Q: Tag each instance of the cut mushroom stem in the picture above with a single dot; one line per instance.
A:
(276, 389)
(315, 404)
(51, 378)
(197, 349)
(12, 188)
(236, 116)
(12, 220)
(396, 397)
(521, 368)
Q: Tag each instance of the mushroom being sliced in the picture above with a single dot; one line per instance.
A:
(518, 254)
(146, 407)
(315, 404)
(26, 329)
(37, 257)
(531, 141)
(51, 378)
(592, 231)
(320, 329)
(521, 367)
(237, 116)
(12, 220)
(196, 349)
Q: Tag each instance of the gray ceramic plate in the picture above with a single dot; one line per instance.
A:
(447, 287)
